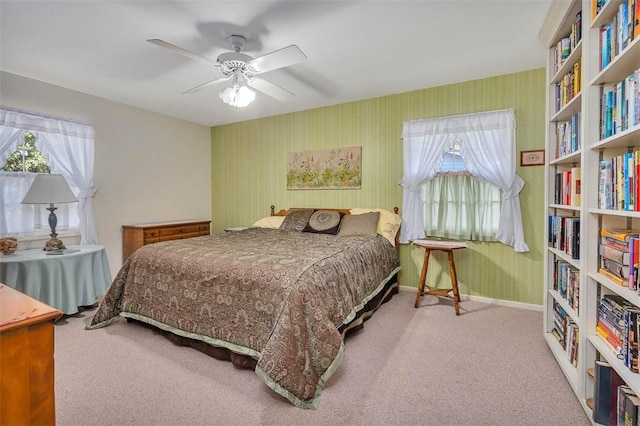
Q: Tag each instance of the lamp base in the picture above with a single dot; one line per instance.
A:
(54, 243)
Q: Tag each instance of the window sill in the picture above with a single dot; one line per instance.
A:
(40, 238)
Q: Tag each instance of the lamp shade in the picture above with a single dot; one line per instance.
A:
(49, 189)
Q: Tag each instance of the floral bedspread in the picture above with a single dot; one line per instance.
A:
(277, 296)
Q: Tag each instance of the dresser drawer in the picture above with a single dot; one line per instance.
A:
(178, 236)
(179, 230)
(151, 233)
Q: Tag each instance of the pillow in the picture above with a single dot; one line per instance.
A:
(324, 222)
(388, 224)
(361, 224)
(296, 220)
(271, 222)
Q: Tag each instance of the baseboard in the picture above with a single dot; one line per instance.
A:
(481, 299)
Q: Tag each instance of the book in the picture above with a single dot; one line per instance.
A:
(619, 270)
(631, 335)
(620, 245)
(619, 234)
(575, 186)
(605, 393)
(604, 185)
(623, 391)
(633, 255)
(614, 253)
(610, 338)
(611, 276)
(631, 403)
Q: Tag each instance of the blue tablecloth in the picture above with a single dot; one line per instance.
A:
(75, 278)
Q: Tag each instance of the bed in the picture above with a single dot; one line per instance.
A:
(278, 297)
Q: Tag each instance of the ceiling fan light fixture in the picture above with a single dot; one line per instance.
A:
(237, 96)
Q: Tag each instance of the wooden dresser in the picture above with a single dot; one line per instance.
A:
(136, 236)
(26, 359)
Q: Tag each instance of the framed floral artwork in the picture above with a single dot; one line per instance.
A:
(336, 168)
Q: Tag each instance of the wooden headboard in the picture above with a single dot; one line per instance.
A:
(286, 212)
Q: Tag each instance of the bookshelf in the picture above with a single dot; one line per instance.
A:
(584, 127)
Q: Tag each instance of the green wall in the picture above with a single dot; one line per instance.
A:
(249, 160)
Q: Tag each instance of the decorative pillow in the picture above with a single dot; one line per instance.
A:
(296, 220)
(388, 224)
(272, 222)
(324, 222)
(361, 224)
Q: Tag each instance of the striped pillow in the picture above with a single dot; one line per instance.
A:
(360, 224)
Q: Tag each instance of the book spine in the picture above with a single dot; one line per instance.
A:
(619, 234)
(611, 276)
(632, 252)
(613, 253)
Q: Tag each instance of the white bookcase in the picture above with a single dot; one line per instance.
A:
(560, 24)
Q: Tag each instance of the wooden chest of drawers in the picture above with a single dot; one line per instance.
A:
(136, 236)
(26, 359)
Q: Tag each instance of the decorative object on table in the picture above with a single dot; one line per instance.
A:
(50, 189)
(8, 245)
(337, 168)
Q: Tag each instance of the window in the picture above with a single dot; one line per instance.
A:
(18, 174)
(458, 206)
(26, 157)
(67, 148)
(487, 146)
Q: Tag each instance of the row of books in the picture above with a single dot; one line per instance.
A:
(567, 187)
(565, 330)
(568, 139)
(566, 281)
(564, 47)
(620, 105)
(564, 234)
(616, 35)
(614, 403)
(618, 326)
(618, 187)
(569, 87)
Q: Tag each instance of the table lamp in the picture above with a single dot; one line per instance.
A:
(50, 189)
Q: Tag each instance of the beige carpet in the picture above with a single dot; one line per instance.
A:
(489, 366)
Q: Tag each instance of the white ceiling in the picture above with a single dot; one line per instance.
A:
(356, 49)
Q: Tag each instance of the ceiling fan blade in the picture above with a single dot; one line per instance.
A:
(280, 58)
(207, 84)
(268, 88)
(182, 51)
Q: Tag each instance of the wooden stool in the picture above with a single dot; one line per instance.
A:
(449, 247)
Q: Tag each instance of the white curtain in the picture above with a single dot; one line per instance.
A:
(488, 148)
(8, 141)
(68, 147)
(16, 218)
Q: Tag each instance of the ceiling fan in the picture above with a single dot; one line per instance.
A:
(241, 68)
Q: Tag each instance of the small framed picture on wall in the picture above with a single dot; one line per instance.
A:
(532, 158)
